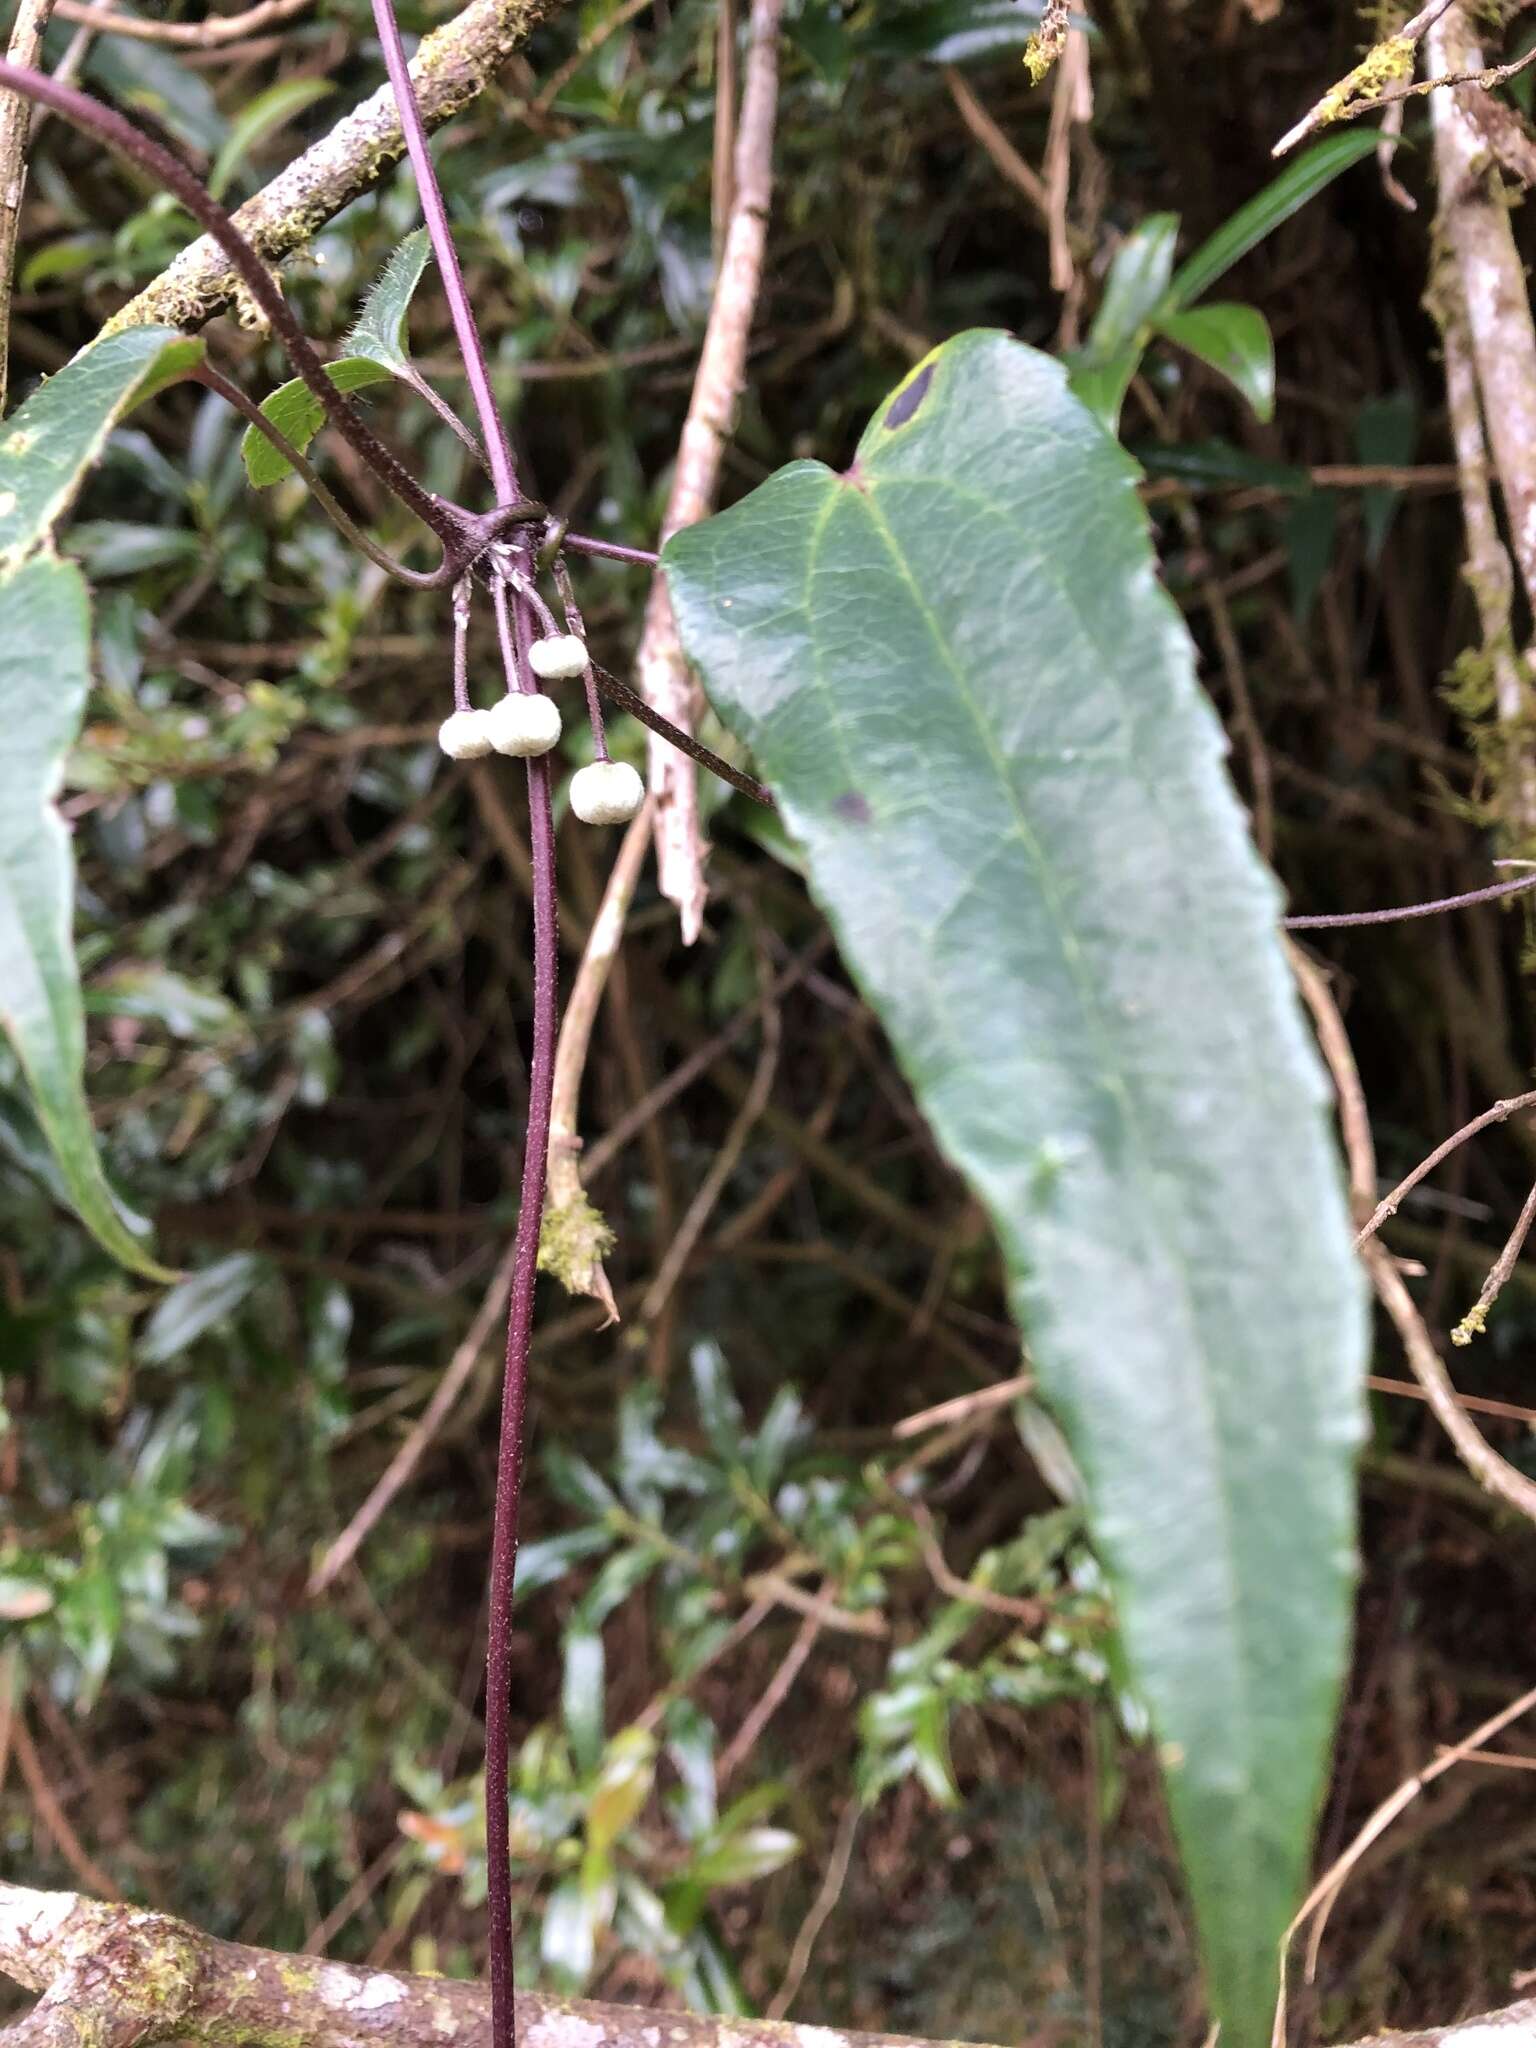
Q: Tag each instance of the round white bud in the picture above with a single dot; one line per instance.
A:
(524, 725)
(558, 658)
(606, 793)
(465, 736)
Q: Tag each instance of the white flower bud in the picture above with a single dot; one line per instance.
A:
(558, 658)
(606, 793)
(524, 725)
(465, 736)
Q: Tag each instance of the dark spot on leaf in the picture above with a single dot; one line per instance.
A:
(852, 806)
(909, 398)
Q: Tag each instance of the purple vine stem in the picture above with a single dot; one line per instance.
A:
(541, 833)
(1328, 922)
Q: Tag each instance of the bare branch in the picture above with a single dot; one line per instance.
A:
(24, 48)
(211, 33)
(660, 666)
(114, 1977)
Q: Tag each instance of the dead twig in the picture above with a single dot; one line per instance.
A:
(1005, 159)
(575, 1237)
(660, 666)
(964, 1406)
(774, 1694)
(1475, 1321)
(50, 1810)
(1389, 1204)
(1320, 1901)
(24, 48)
(822, 1907)
(211, 33)
(398, 1472)
(721, 1167)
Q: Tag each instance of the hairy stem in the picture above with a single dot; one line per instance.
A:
(511, 624)
(465, 327)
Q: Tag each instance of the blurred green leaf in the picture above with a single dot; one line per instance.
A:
(1218, 465)
(582, 1696)
(1308, 532)
(1236, 342)
(187, 1009)
(745, 1857)
(951, 31)
(622, 1788)
(1386, 436)
(719, 1410)
(547, 1561)
(1301, 180)
(258, 118)
(143, 77)
(568, 1936)
(1136, 286)
(196, 1305)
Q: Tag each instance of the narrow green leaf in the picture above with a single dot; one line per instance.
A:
(623, 1785)
(980, 714)
(259, 118)
(48, 445)
(1217, 465)
(44, 678)
(196, 1305)
(380, 333)
(294, 409)
(1137, 281)
(1309, 530)
(568, 1936)
(142, 77)
(950, 31)
(1386, 434)
(1102, 386)
(745, 1857)
(1235, 340)
(583, 1689)
(1300, 181)
(715, 1398)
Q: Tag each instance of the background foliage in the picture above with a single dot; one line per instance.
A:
(306, 975)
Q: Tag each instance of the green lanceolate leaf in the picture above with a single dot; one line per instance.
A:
(295, 411)
(1236, 342)
(980, 714)
(44, 677)
(50, 442)
(380, 333)
(1137, 282)
(1300, 181)
(45, 627)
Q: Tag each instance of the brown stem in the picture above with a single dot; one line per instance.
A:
(24, 48)
(660, 666)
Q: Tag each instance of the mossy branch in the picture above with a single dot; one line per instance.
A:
(453, 66)
(116, 1977)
